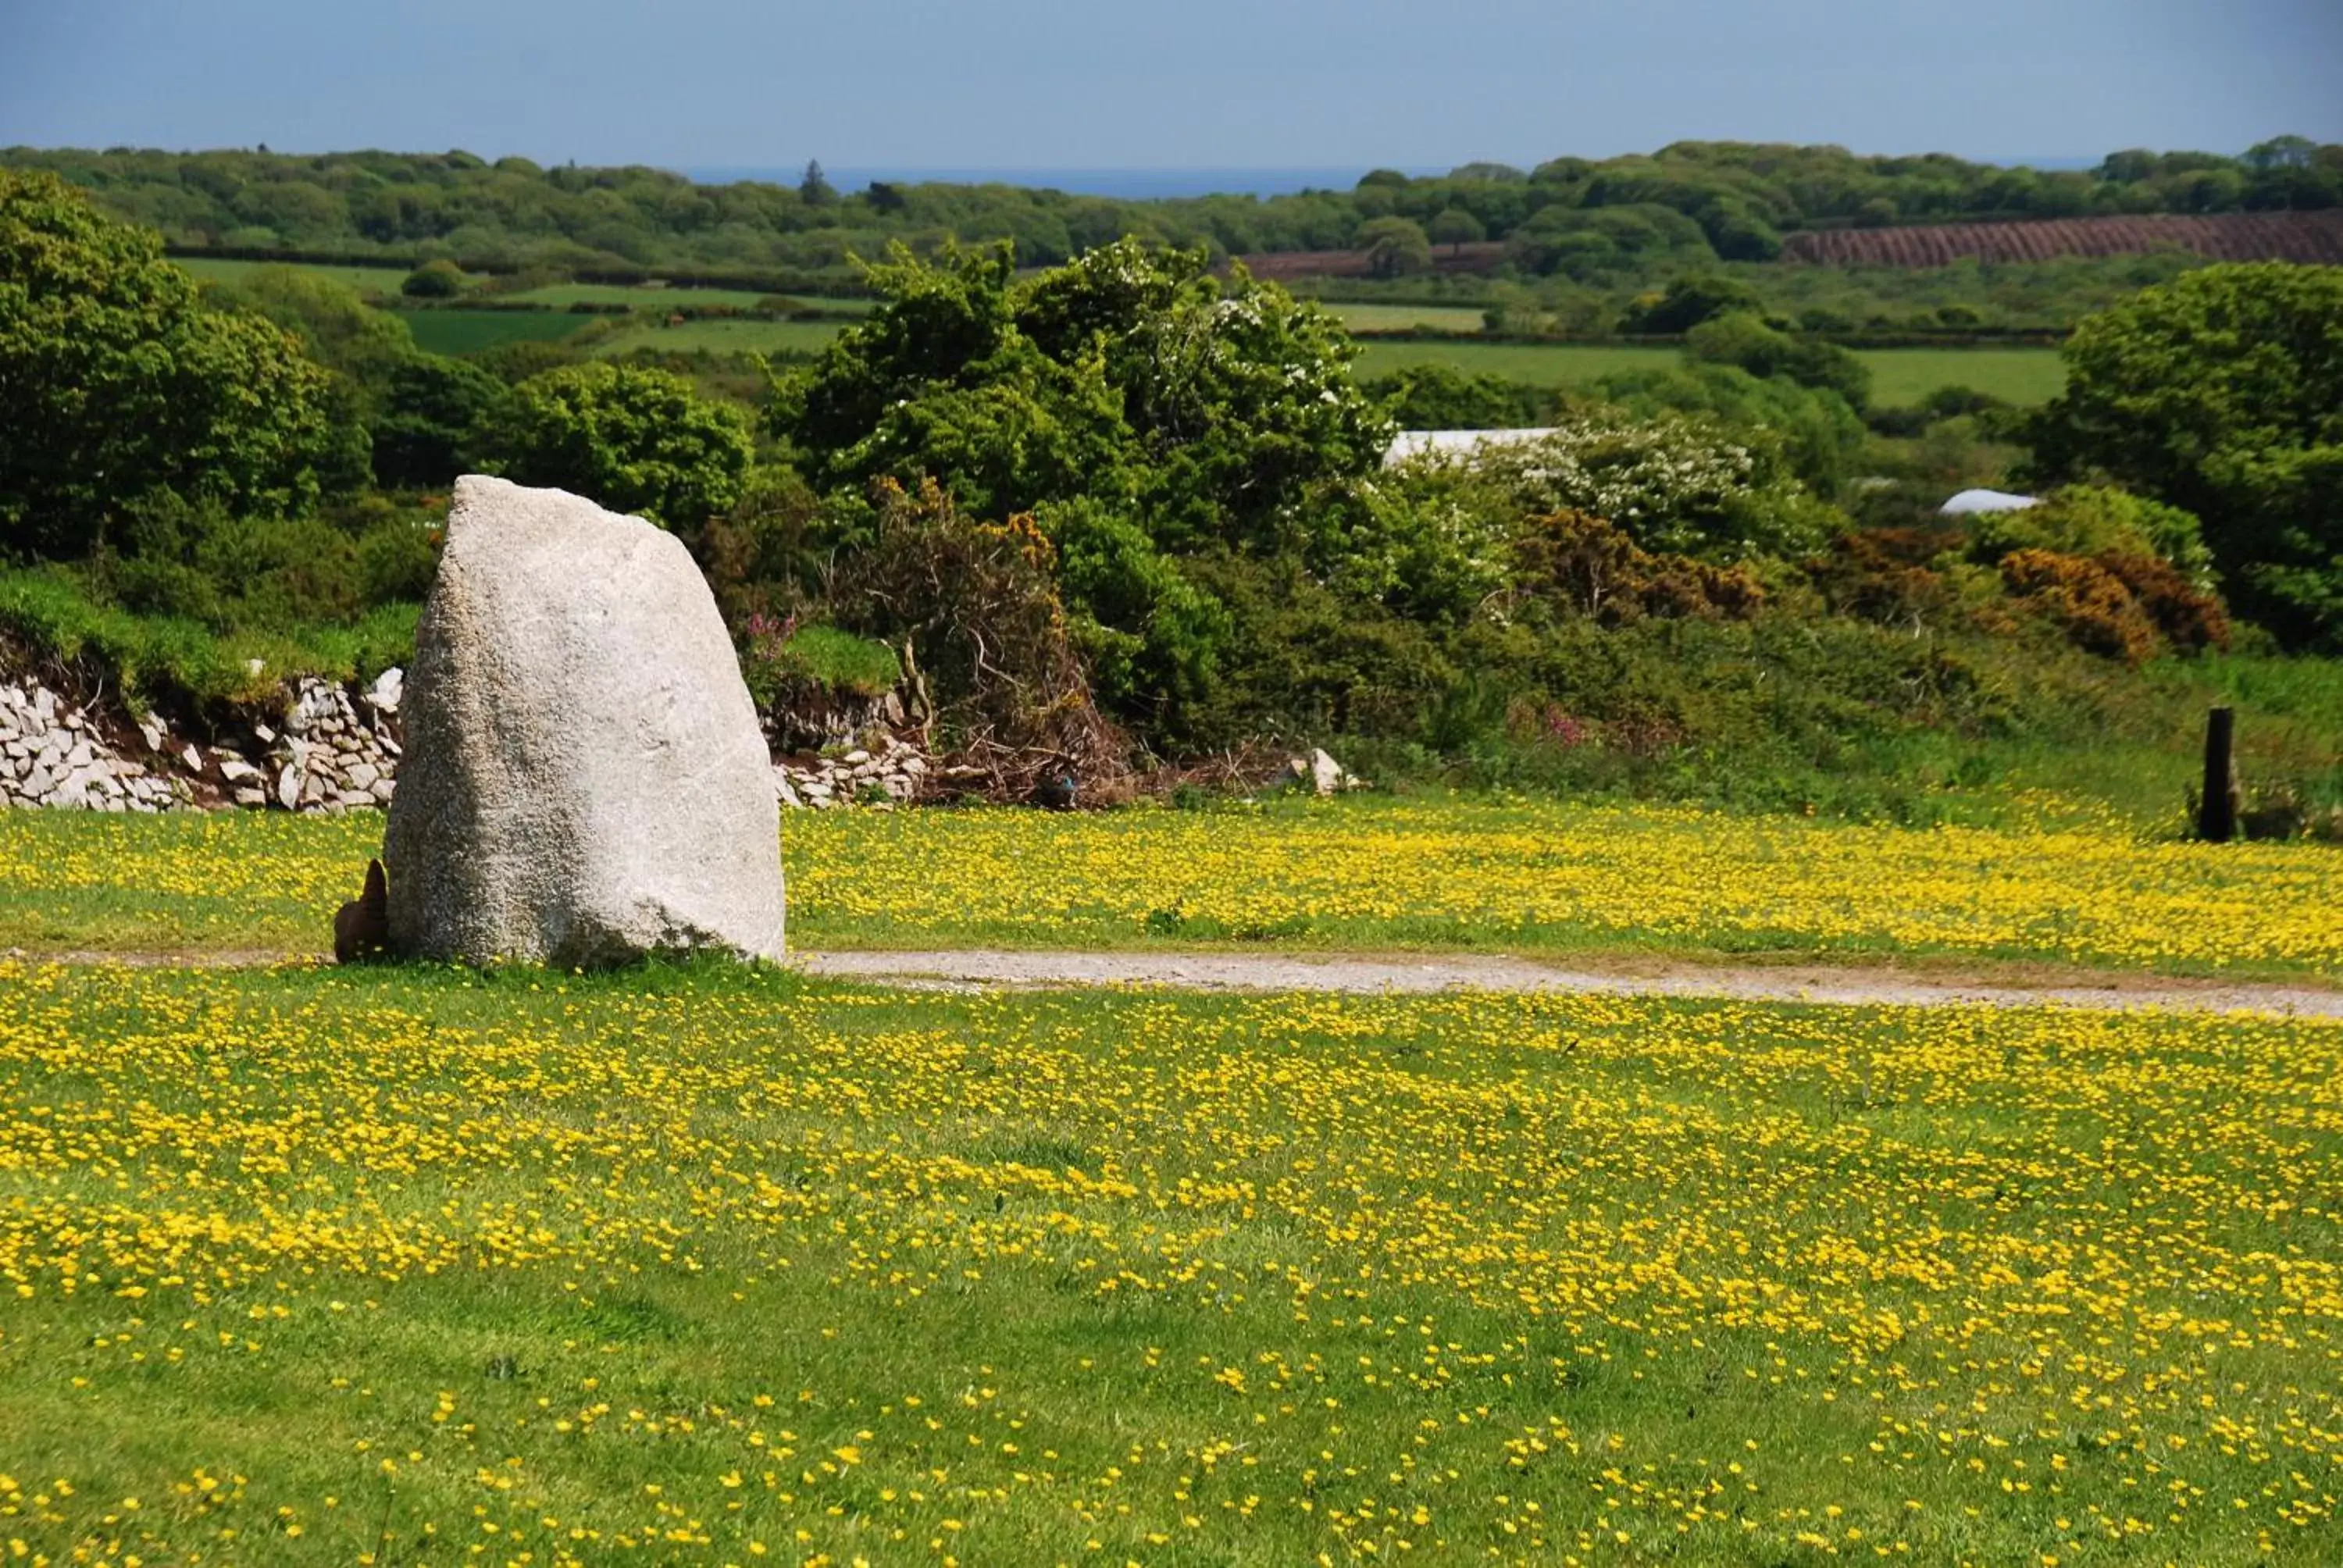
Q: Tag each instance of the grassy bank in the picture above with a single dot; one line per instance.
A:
(318, 1266)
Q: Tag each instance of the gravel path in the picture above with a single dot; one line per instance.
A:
(980, 969)
(1415, 975)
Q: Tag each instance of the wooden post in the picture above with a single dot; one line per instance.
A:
(2216, 815)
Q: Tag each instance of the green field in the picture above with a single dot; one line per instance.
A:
(1900, 376)
(369, 280)
(719, 337)
(461, 331)
(1367, 874)
(409, 1266)
(640, 298)
(1407, 318)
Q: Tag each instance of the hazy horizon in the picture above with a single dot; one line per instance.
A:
(1051, 87)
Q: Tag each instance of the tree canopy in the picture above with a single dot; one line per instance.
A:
(118, 382)
(1701, 202)
(2222, 394)
(634, 438)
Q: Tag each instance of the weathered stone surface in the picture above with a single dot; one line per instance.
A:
(584, 779)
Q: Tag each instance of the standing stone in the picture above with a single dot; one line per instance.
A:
(584, 780)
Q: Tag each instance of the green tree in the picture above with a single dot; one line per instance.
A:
(635, 440)
(337, 327)
(432, 413)
(2222, 394)
(1455, 229)
(441, 279)
(1395, 247)
(1141, 409)
(115, 381)
(1744, 340)
(1689, 301)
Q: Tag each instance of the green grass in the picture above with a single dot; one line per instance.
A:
(1364, 874)
(1403, 318)
(370, 280)
(719, 337)
(1537, 364)
(461, 331)
(1900, 376)
(680, 1266)
(639, 297)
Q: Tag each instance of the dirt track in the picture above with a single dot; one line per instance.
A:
(1416, 974)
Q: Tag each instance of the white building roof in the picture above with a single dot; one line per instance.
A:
(1969, 502)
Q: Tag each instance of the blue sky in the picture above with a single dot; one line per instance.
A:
(1172, 83)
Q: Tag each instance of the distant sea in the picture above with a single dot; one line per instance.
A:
(1132, 184)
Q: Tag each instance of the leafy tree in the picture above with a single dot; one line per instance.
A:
(2222, 394)
(337, 327)
(1440, 397)
(1689, 301)
(1748, 342)
(633, 439)
(1395, 247)
(1456, 228)
(815, 189)
(431, 414)
(1140, 408)
(441, 279)
(115, 381)
(1823, 438)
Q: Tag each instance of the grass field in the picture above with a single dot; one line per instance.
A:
(715, 1265)
(719, 337)
(371, 280)
(1401, 318)
(460, 331)
(1900, 376)
(1359, 874)
(564, 295)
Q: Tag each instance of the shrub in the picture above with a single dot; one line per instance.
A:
(1677, 485)
(978, 604)
(1440, 397)
(1591, 568)
(1687, 302)
(441, 279)
(2188, 617)
(2094, 520)
(1744, 340)
(2083, 599)
(115, 381)
(634, 440)
(1887, 574)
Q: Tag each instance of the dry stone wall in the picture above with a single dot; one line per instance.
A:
(51, 753)
(333, 748)
(895, 774)
(329, 750)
